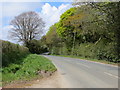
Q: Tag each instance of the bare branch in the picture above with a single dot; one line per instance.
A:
(27, 26)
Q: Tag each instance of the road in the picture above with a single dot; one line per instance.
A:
(86, 74)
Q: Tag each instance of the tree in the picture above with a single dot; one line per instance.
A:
(112, 22)
(27, 26)
(35, 46)
(65, 30)
(52, 39)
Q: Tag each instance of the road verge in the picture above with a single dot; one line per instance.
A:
(31, 67)
(93, 60)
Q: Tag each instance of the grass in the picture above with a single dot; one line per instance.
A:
(0, 79)
(27, 70)
(95, 60)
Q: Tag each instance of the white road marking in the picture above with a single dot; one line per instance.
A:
(111, 75)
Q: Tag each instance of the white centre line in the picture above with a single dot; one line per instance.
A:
(111, 75)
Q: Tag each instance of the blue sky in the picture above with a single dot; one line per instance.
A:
(36, 6)
(49, 11)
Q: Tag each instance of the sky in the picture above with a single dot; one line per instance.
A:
(49, 11)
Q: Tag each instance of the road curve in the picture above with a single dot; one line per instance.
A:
(86, 74)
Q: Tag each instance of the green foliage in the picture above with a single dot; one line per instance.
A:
(52, 40)
(35, 46)
(64, 28)
(100, 51)
(28, 69)
(12, 52)
(68, 13)
(90, 30)
(0, 78)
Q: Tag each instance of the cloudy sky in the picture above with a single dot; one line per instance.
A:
(49, 11)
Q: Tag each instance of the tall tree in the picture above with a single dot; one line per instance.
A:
(66, 30)
(27, 26)
(52, 38)
(112, 11)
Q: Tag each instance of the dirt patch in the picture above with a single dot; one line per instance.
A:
(20, 84)
(54, 81)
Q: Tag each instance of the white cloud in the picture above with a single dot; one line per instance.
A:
(14, 9)
(5, 32)
(9, 11)
(51, 14)
(20, 0)
(36, 0)
(5, 35)
(59, 0)
(0, 10)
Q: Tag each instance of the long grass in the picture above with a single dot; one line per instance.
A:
(27, 69)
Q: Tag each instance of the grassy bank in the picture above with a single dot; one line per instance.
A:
(95, 60)
(0, 79)
(27, 70)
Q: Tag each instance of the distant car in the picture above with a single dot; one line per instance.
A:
(46, 53)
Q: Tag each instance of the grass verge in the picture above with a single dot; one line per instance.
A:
(27, 70)
(0, 79)
(95, 60)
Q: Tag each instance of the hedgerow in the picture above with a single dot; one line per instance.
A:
(12, 52)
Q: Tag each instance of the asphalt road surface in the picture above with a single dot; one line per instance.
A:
(86, 74)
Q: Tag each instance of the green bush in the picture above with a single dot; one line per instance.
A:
(36, 47)
(103, 50)
(64, 50)
(100, 51)
(12, 53)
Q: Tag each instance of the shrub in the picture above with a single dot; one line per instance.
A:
(11, 53)
(100, 51)
(35, 46)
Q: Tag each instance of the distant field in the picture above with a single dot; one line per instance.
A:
(27, 70)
